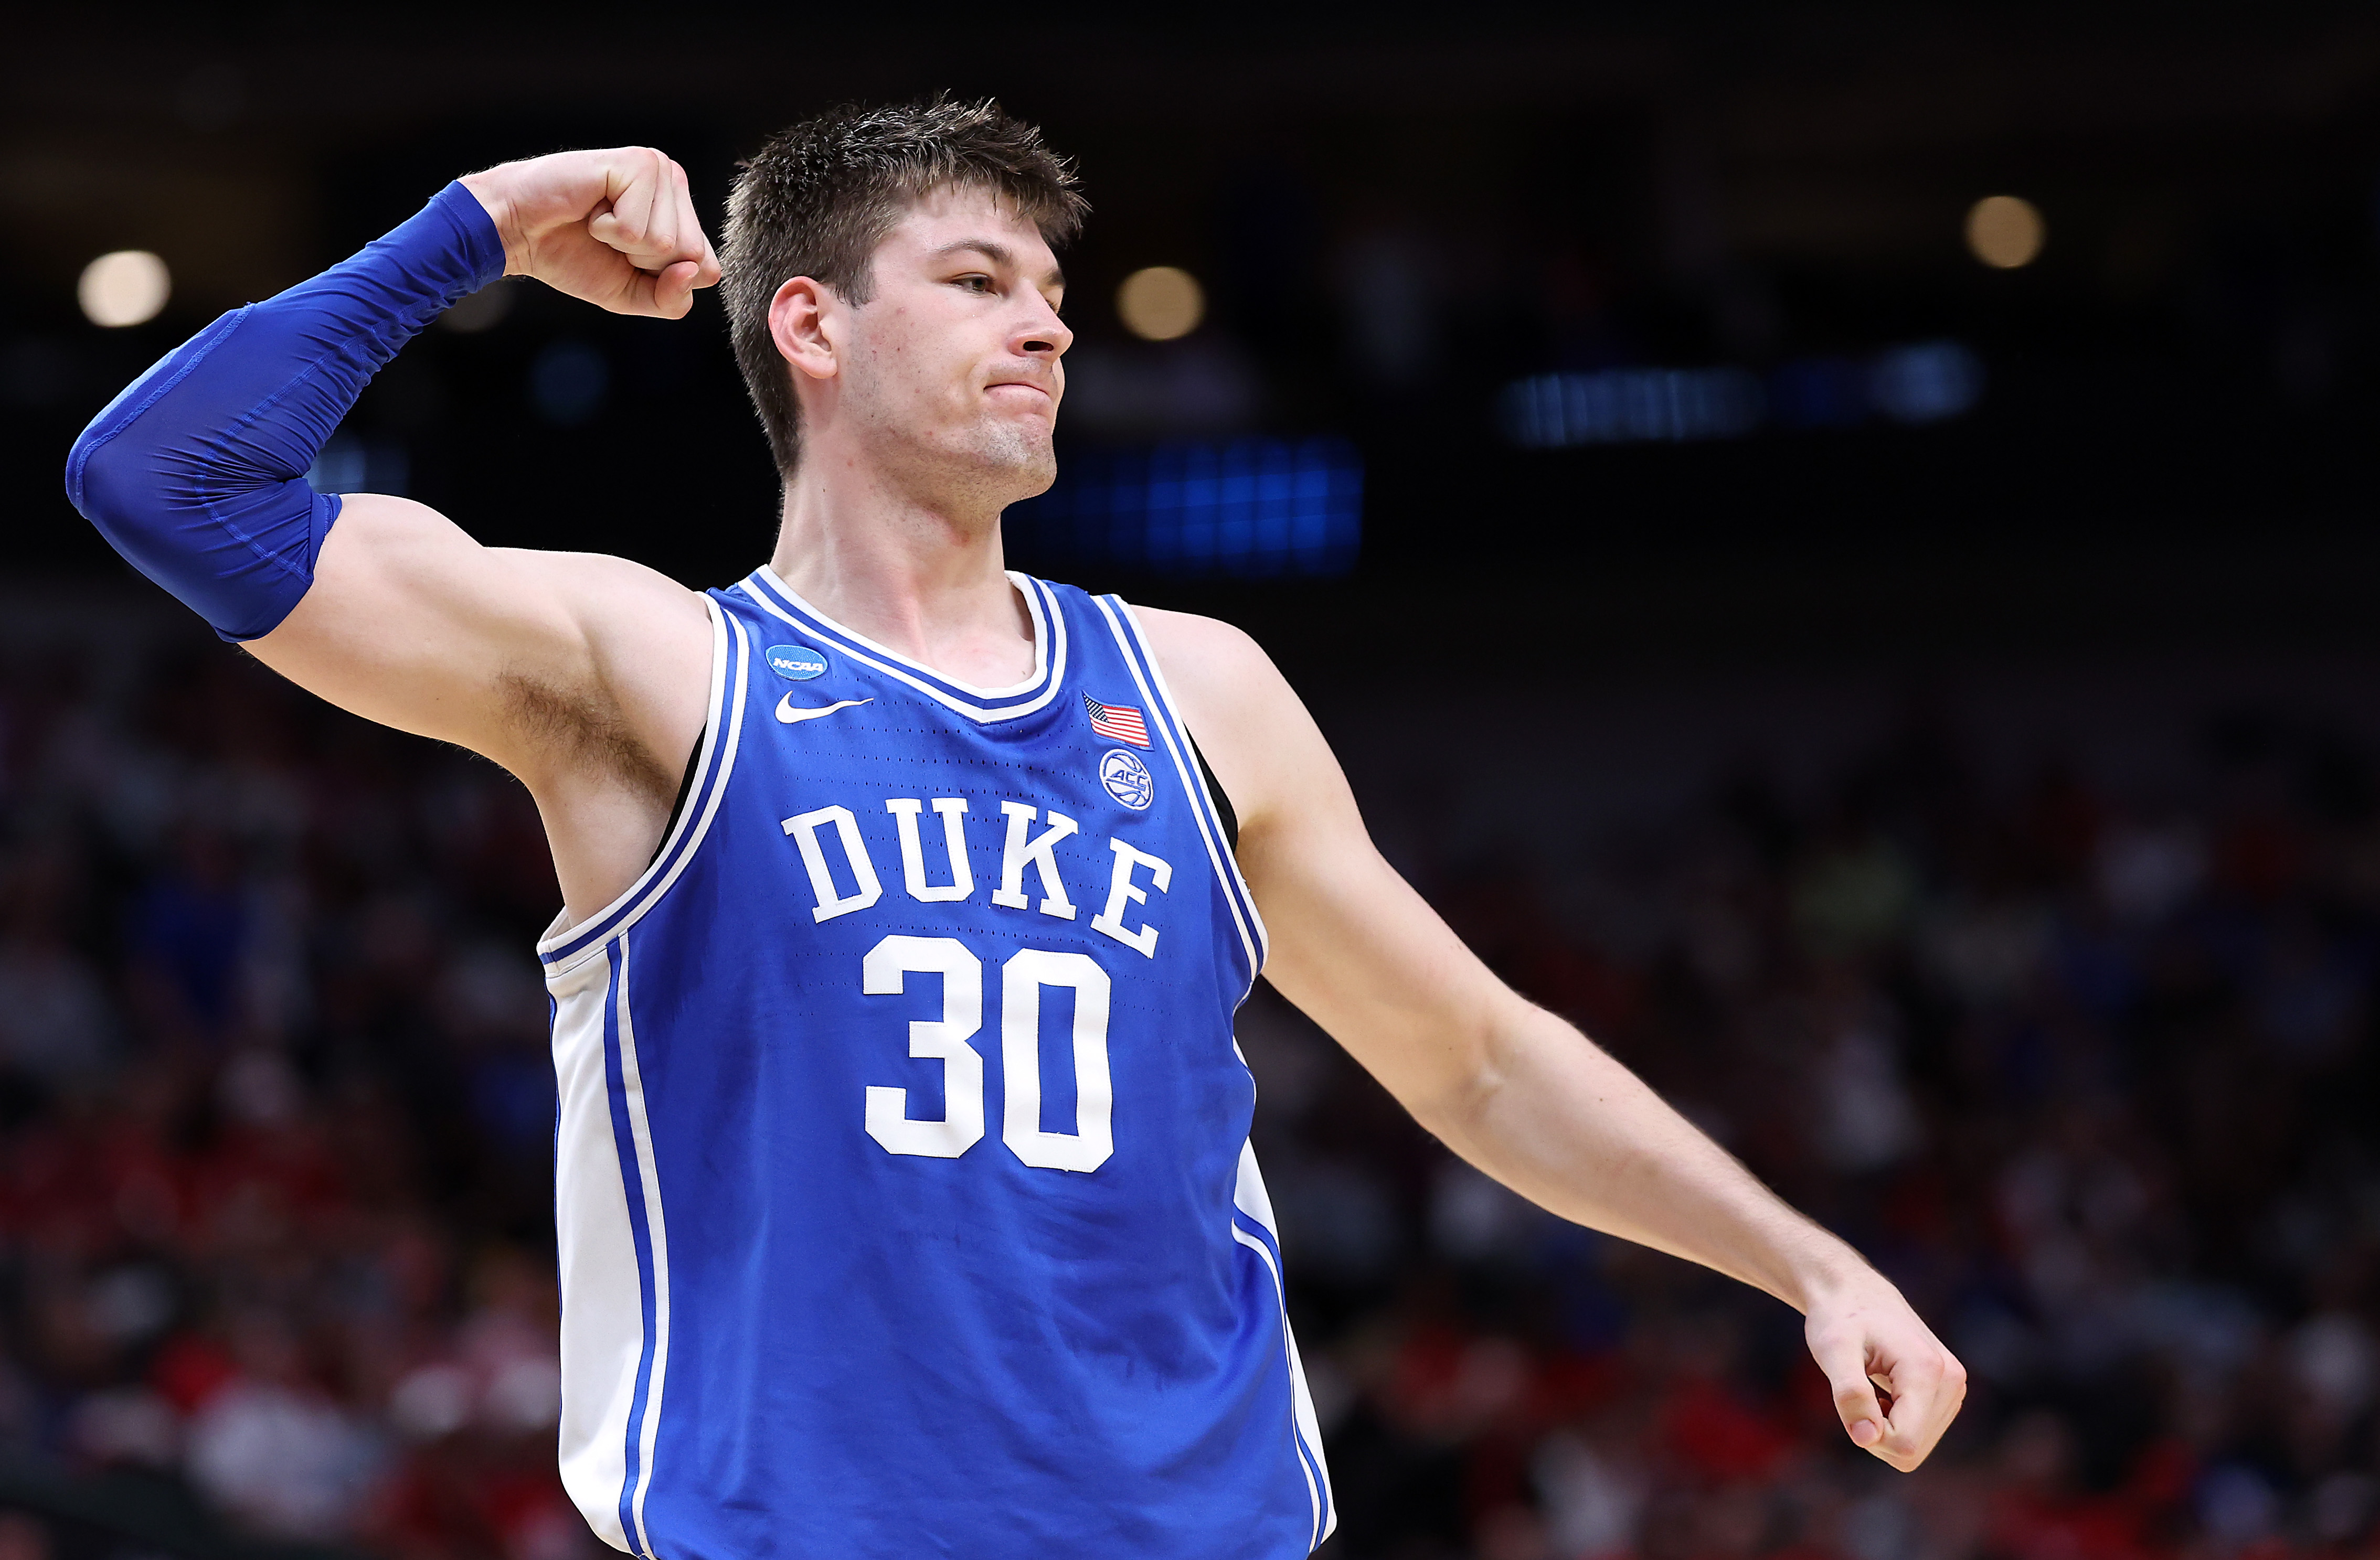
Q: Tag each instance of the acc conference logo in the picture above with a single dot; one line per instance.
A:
(797, 663)
(1126, 779)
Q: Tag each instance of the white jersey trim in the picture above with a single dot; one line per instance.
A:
(632, 1085)
(833, 626)
(1048, 649)
(1244, 919)
(565, 945)
(1313, 1495)
(602, 1321)
(1248, 1195)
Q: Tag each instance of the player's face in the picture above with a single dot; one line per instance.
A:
(954, 362)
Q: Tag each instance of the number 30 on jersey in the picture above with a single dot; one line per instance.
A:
(1022, 979)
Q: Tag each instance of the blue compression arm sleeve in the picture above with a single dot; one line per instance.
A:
(197, 473)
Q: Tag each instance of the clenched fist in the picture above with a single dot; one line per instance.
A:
(616, 228)
(1895, 1387)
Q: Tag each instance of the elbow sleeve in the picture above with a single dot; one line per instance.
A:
(196, 473)
(233, 537)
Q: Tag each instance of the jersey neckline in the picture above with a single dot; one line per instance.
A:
(781, 601)
(1016, 581)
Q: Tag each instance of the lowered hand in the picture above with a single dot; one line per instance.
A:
(1895, 1386)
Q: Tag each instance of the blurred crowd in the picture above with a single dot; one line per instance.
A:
(275, 1112)
(2087, 1072)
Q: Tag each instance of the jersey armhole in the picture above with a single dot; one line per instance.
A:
(694, 762)
(1214, 793)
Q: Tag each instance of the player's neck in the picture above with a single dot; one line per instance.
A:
(911, 575)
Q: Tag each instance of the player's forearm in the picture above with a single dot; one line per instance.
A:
(1558, 1119)
(196, 473)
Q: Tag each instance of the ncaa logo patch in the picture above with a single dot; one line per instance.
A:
(797, 663)
(1128, 778)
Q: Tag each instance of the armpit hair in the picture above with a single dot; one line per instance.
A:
(577, 727)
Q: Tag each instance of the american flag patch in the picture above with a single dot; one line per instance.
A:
(1117, 722)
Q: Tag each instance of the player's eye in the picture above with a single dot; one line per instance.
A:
(976, 282)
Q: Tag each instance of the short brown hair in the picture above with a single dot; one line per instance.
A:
(818, 198)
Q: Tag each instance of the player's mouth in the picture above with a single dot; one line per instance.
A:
(1023, 398)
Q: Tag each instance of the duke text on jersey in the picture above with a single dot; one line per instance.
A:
(905, 1199)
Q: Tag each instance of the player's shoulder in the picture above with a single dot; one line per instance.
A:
(1245, 718)
(1216, 671)
(1191, 647)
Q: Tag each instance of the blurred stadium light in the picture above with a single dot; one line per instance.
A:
(1920, 382)
(1248, 508)
(1160, 303)
(1926, 382)
(125, 287)
(2005, 231)
(1631, 406)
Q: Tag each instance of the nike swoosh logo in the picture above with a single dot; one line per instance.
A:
(789, 712)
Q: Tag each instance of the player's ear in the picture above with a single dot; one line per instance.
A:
(799, 323)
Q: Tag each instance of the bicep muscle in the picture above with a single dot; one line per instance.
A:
(413, 624)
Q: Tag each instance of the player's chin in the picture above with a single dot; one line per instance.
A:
(1023, 436)
(1032, 482)
(1020, 452)
(1036, 470)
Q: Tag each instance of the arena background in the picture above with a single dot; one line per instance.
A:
(1919, 711)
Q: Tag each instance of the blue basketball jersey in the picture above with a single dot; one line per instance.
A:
(902, 1179)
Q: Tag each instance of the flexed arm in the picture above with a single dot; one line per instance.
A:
(196, 473)
(1506, 1084)
(584, 676)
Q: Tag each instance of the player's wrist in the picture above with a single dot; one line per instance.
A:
(495, 190)
(1821, 1271)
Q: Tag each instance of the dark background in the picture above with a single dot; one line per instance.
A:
(1971, 824)
(2188, 365)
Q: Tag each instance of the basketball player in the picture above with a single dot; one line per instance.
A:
(904, 1197)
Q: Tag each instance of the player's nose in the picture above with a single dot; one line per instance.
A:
(1041, 332)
